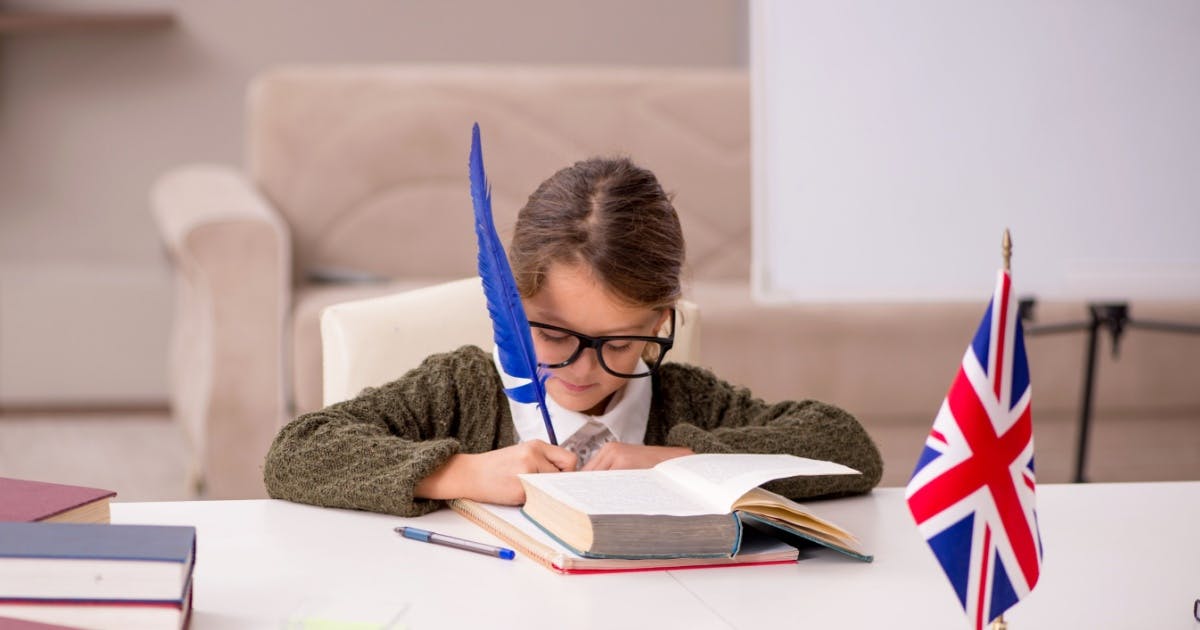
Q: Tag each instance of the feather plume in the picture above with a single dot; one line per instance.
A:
(513, 340)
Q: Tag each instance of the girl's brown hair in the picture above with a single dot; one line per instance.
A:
(610, 215)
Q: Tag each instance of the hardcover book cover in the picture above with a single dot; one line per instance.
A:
(27, 500)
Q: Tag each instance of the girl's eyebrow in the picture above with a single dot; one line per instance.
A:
(548, 318)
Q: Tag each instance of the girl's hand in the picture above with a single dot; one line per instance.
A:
(615, 455)
(491, 477)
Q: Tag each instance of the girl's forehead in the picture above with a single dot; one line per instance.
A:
(572, 297)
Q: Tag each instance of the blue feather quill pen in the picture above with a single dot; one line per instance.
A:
(513, 340)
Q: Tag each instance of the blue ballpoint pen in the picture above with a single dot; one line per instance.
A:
(457, 543)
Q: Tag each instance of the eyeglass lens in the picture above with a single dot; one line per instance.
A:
(616, 355)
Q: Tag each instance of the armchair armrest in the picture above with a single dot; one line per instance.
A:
(232, 258)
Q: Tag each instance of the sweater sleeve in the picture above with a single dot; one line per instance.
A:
(709, 415)
(370, 452)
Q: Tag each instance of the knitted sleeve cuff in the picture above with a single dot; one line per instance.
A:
(695, 438)
(418, 464)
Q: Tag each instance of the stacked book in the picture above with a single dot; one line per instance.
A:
(88, 574)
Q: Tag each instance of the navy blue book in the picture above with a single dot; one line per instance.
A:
(76, 561)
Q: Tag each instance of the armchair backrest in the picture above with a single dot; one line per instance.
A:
(367, 165)
(370, 342)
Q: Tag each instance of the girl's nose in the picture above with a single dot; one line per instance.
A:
(586, 363)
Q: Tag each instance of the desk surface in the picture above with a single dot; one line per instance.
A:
(1116, 556)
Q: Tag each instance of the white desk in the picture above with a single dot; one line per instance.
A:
(1116, 556)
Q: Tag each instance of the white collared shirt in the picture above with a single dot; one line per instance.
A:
(626, 415)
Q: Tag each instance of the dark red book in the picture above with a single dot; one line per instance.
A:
(27, 501)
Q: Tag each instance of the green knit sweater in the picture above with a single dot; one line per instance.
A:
(369, 453)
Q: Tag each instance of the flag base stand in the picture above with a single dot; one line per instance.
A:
(1113, 316)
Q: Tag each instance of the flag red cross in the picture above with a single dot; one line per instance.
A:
(988, 466)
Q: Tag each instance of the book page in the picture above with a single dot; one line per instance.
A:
(720, 479)
(770, 505)
(620, 492)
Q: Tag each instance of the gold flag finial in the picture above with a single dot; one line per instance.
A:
(1006, 246)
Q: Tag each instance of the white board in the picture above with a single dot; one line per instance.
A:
(894, 142)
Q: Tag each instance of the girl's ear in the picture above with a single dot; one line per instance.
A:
(663, 317)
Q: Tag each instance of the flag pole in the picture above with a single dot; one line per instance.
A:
(1006, 248)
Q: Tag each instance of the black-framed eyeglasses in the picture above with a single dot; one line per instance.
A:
(561, 347)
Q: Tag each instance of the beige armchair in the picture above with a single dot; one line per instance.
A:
(355, 185)
(369, 342)
(232, 256)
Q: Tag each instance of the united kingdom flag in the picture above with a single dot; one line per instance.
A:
(972, 492)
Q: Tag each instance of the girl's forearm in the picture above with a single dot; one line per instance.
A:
(447, 482)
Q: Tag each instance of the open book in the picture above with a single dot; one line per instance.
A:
(511, 526)
(695, 506)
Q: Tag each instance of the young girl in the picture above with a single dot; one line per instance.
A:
(597, 254)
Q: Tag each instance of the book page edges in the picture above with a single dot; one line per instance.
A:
(97, 511)
(576, 530)
(600, 563)
(647, 556)
(548, 509)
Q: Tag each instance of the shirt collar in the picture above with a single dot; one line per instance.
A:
(626, 415)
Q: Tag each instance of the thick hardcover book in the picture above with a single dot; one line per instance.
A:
(511, 526)
(59, 561)
(693, 506)
(25, 500)
(100, 614)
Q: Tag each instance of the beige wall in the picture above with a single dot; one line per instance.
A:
(88, 120)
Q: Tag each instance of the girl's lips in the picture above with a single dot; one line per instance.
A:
(575, 389)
